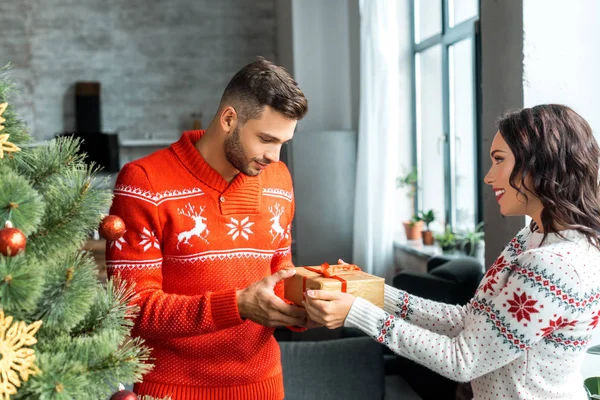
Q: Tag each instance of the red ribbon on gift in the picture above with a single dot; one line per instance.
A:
(330, 271)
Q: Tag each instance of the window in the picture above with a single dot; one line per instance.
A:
(445, 97)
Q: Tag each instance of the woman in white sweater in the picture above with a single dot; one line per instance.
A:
(525, 332)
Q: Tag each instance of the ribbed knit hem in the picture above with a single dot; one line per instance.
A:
(391, 296)
(224, 309)
(268, 389)
(365, 316)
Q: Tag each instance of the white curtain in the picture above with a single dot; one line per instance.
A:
(374, 219)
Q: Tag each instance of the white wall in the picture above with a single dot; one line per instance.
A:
(562, 65)
(322, 67)
(562, 55)
(319, 43)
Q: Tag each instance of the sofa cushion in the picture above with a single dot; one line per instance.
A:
(349, 368)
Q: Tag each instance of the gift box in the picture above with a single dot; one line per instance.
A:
(344, 277)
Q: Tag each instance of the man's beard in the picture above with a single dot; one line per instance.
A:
(236, 154)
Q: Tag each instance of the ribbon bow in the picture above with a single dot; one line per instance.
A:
(332, 271)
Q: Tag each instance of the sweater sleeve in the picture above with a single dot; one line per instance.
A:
(437, 317)
(283, 255)
(137, 258)
(532, 304)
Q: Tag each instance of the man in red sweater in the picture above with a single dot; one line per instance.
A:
(207, 243)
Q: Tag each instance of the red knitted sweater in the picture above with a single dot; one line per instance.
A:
(192, 239)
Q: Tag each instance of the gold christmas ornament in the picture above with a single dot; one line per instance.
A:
(6, 146)
(17, 362)
(2, 108)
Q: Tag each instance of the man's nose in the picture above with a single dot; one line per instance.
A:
(273, 155)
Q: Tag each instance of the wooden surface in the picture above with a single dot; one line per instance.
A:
(97, 247)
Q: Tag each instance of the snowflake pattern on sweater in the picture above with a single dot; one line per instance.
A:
(524, 333)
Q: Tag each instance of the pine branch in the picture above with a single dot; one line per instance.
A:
(54, 158)
(21, 281)
(19, 202)
(127, 365)
(112, 310)
(72, 204)
(98, 361)
(60, 379)
(50, 193)
(13, 125)
(68, 293)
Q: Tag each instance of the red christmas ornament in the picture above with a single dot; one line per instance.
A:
(123, 394)
(12, 240)
(112, 228)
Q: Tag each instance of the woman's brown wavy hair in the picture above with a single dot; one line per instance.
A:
(555, 147)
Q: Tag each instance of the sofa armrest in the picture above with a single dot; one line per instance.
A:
(430, 287)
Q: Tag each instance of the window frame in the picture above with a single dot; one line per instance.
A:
(447, 37)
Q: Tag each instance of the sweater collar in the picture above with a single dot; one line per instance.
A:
(192, 159)
(535, 238)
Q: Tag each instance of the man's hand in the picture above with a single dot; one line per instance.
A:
(310, 324)
(259, 303)
(329, 309)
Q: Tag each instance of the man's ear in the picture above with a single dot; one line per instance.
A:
(228, 118)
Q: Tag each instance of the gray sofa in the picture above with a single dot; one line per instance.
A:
(344, 368)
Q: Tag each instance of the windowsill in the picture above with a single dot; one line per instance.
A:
(416, 247)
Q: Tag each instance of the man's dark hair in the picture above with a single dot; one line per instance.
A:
(261, 84)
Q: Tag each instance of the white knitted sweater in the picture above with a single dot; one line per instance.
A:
(522, 336)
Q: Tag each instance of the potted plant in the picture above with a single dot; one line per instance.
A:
(447, 240)
(592, 384)
(427, 217)
(413, 228)
(410, 181)
(471, 241)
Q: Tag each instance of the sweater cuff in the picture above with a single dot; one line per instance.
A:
(365, 316)
(296, 328)
(395, 300)
(224, 309)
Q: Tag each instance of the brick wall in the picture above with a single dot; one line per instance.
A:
(158, 60)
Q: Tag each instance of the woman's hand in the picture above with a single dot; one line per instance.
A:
(329, 309)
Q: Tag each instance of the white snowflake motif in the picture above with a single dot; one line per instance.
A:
(148, 240)
(119, 242)
(240, 228)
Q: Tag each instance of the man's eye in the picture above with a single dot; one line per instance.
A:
(265, 140)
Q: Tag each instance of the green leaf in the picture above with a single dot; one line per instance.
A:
(593, 385)
(594, 350)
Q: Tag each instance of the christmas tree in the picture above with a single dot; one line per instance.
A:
(63, 334)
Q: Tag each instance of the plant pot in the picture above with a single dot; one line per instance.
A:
(448, 249)
(427, 238)
(472, 251)
(413, 230)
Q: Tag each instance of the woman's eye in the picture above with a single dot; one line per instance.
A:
(498, 160)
